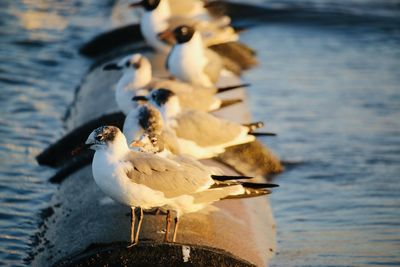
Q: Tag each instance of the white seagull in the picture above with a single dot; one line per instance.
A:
(199, 134)
(145, 181)
(147, 119)
(136, 76)
(162, 15)
(137, 80)
(189, 61)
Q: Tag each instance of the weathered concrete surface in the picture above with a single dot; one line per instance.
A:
(83, 216)
(148, 254)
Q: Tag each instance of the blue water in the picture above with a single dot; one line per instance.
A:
(333, 96)
(39, 69)
(331, 91)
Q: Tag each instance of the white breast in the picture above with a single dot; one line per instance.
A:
(187, 62)
(131, 129)
(123, 97)
(151, 24)
(112, 180)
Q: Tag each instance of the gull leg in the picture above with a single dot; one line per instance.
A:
(139, 225)
(176, 228)
(133, 216)
(168, 225)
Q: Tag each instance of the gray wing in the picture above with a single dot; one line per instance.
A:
(166, 176)
(182, 8)
(181, 87)
(170, 141)
(205, 129)
(190, 96)
(214, 66)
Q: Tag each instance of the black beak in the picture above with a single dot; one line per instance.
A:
(139, 98)
(137, 65)
(112, 66)
(137, 4)
(167, 37)
(79, 149)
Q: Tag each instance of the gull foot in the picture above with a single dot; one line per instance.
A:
(132, 244)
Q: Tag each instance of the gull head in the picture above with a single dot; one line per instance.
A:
(148, 5)
(183, 34)
(135, 62)
(149, 143)
(103, 137)
(166, 102)
(160, 97)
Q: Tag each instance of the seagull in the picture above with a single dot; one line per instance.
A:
(162, 15)
(146, 181)
(136, 76)
(153, 143)
(199, 134)
(147, 119)
(137, 80)
(188, 60)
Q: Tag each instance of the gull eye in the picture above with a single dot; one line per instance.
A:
(127, 63)
(99, 137)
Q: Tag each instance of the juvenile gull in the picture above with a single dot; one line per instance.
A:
(145, 181)
(199, 134)
(147, 119)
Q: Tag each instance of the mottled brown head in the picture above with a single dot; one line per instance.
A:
(102, 136)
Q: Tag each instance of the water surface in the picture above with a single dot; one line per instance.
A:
(332, 93)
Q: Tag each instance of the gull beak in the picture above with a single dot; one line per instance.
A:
(136, 143)
(137, 64)
(139, 98)
(80, 148)
(167, 36)
(207, 4)
(136, 4)
(112, 66)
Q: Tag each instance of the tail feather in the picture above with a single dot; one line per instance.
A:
(237, 52)
(253, 190)
(228, 88)
(215, 194)
(254, 125)
(250, 192)
(223, 184)
(229, 102)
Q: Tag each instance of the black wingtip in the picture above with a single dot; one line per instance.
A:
(228, 88)
(263, 134)
(222, 178)
(259, 185)
(229, 102)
